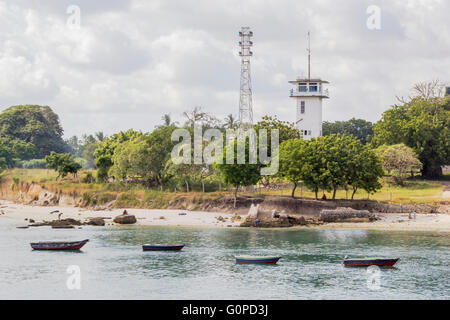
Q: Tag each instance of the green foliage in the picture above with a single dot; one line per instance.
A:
(3, 164)
(63, 163)
(88, 178)
(423, 125)
(292, 159)
(330, 163)
(399, 161)
(105, 150)
(144, 157)
(287, 130)
(365, 171)
(245, 174)
(31, 131)
(85, 147)
(359, 128)
(103, 163)
(33, 164)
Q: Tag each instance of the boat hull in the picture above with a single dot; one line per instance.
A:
(257, 260)
(74, 245)
(157, 247)
(381, 262)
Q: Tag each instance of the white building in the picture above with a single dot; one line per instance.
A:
(308, 95)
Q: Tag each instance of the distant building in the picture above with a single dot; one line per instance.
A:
(447, 90)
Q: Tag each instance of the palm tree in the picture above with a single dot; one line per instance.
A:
(100, 136)
(230, 122)
(167, 120)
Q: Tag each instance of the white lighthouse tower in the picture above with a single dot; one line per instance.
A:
(308, 94)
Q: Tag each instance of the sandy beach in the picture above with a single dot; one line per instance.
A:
(146, 217)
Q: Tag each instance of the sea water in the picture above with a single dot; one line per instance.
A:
(112, 264)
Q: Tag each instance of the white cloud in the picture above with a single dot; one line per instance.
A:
(132, 61)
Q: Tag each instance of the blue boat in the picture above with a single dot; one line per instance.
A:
(257, 259)
(162, 247)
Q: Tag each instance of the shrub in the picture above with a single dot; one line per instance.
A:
(88, 178)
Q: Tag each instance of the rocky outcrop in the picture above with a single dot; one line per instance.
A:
(347, 215)
(125, 219)
(96, 222)
(63, 222)
(257, 217)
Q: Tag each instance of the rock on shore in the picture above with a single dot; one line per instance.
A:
(125, 219)
(342, 214)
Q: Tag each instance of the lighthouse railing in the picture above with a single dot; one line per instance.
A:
(319, 92)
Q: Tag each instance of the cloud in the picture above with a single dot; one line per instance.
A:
(132, 61)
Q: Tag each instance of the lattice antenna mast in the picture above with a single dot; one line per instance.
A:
(245, 99)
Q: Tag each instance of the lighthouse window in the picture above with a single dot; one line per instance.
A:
(302, 106)
(302, 87)
(313, 87)
(306, 132)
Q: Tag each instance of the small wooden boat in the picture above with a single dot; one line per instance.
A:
(257, 259)
(364, 262)
(162, 247)
(58, 245)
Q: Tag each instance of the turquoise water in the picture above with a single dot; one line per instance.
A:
(113, 266)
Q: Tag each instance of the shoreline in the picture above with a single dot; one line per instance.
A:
(435, 222)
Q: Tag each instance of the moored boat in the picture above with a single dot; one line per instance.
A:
(365, 262)
(162, 247)
(257, 259)
(58, 245)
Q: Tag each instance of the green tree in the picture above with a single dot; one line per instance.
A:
(144, 157)
(105, 150)
(365, 171)
(199, 117)
(63, 163)
(167, 120)
(329, 163)
(287, 130)
(360, 128)
(292, 159)
(245, 174)
(230, 122)
(399, 160)
(35, 125)
(422, 124)
(3, 165)
(103, 164)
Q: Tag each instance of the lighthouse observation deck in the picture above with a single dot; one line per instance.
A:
(309, 88)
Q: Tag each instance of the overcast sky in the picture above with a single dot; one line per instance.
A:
(132, 61)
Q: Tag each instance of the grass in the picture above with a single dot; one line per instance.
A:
(414, 191)
(132, 195)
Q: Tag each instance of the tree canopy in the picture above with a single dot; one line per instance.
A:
(236, 174)
(330, 163)
(423, 125)
(360, 128)
(399, 161)
(33, 131)
(63, 163)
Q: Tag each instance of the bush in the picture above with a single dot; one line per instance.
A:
(33, 164)
(88, 178)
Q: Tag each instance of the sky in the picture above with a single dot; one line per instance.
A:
(125, 63)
